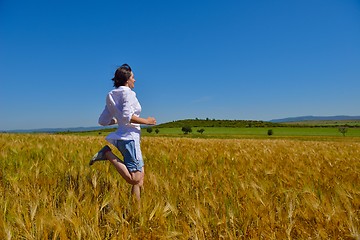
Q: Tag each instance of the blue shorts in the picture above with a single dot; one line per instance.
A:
(132, 154)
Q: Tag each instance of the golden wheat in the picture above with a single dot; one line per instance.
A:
(194, 189)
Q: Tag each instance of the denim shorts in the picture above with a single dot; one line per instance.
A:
(132, 154)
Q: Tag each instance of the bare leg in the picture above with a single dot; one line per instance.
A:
(136, 188)
(136, 179)
(136, 191)
(121, 168)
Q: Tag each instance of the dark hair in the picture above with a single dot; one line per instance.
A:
(122, 74)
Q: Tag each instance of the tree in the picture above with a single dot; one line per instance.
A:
(270, 132)
(149, 129)
(343, 130)
(201, 131)
(186, 129)
(157, 131)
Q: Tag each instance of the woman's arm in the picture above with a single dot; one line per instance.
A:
(139, 120)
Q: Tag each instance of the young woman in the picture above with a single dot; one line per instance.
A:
(123, 108)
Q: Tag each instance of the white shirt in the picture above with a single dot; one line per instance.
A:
(121, 104)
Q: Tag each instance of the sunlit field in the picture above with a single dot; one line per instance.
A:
(194, 189)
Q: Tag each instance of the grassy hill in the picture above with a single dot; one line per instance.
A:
(254, 123)
(217, 123)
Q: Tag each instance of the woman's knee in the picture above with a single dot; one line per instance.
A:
(137, 178)
(141, 183)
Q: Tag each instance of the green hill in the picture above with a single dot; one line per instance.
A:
(217, 123)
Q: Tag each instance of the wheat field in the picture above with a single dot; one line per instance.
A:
(194, 189)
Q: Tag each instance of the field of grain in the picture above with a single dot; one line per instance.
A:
(194, 189)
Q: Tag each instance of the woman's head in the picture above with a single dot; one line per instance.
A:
(122, 75)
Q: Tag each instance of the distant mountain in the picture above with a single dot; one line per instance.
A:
(55, 130)
(315, 118)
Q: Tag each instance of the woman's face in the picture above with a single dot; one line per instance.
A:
(131, 81)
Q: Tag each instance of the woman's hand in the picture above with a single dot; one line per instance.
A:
(151, 121)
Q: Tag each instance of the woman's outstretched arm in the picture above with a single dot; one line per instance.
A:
(139, 120)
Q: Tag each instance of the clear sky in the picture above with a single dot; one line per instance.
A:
(241, 59)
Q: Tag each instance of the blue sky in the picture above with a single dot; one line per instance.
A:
(255, 60)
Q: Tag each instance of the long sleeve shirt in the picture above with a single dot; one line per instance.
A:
(121, 104)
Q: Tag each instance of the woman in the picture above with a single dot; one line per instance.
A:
(123, 108)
